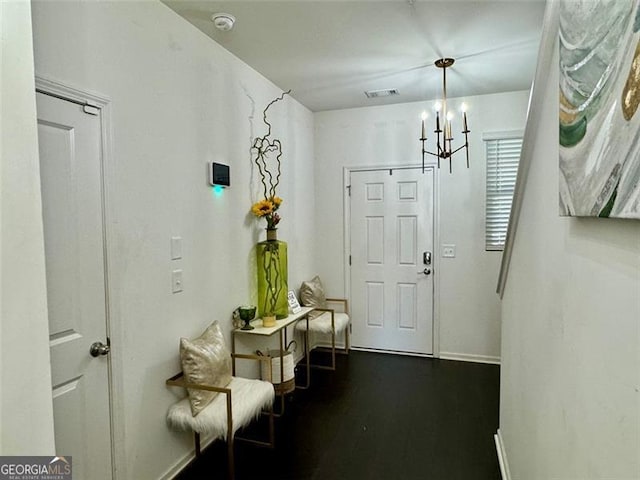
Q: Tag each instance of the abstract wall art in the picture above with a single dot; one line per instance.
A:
(599, 99)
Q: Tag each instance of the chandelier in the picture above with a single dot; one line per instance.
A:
(444, 137)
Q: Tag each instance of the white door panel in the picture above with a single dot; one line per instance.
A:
(391, 228)
(70, 170)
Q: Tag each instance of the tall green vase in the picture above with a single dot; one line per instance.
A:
(271, 256)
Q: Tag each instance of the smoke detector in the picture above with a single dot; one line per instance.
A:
(223, 21)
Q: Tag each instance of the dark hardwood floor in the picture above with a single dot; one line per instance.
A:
(377, 417)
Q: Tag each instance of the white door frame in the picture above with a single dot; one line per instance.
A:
(113, 326)
(436, 237)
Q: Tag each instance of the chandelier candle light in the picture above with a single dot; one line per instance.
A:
(445, 149)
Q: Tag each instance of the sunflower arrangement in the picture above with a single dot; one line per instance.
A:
(267, 209)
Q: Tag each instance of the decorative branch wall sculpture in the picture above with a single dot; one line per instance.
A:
(263, 146)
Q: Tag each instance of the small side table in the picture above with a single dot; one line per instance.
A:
(281, 329)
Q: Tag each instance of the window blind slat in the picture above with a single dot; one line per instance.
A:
(503, 157)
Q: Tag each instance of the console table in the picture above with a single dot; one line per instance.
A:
(281, 329)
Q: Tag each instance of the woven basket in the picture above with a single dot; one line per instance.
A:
(289, 383)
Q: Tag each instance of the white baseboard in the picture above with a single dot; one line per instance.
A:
(391, 352)
(184, 461)
(502, 456)
(178, 467)
(461, 357)
(465, 357)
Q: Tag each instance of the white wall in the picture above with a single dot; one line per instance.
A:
(570, 381)
(388, 135)
(178, 100)
(26, 412)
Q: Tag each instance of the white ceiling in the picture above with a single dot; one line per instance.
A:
(329, 52)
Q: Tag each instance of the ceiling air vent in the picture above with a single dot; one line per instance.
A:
(382, 93)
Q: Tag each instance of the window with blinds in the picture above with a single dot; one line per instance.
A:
(503, 156)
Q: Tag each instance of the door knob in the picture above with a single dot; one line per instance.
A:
(99, 348)
(426, 271)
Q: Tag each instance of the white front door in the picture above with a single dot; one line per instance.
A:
(391, 235)
(70, 171)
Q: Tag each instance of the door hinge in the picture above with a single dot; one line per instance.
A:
(349, 259)
(91, 109)
(351, 328)
(349, 189)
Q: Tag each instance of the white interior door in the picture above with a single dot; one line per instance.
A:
(391, 286)
(71, 177)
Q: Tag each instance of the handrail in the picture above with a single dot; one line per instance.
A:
(545, 55)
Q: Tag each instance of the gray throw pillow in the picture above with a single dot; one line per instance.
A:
(205, 360)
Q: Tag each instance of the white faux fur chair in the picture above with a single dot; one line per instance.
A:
(240, 402)
(331, 323)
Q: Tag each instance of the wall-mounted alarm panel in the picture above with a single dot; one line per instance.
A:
(219, 174)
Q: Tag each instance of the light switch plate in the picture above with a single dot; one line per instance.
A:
(176, 281)
(448, 250)
(176, 248)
